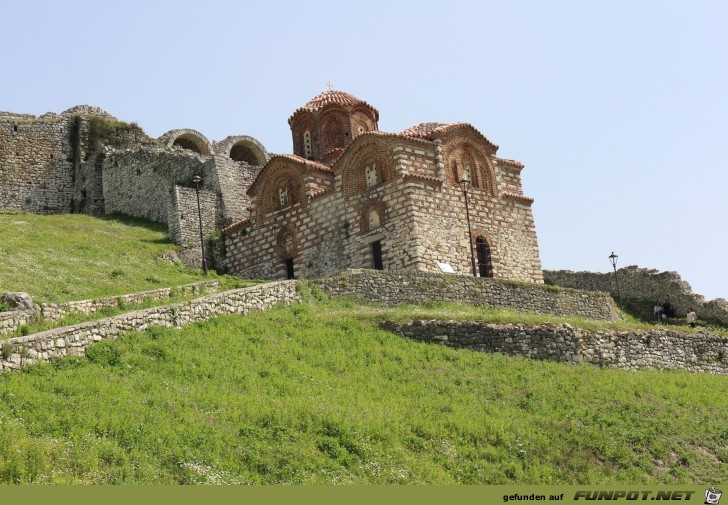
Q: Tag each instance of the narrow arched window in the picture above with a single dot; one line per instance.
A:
(374, 221)
(371, 175)
(308, 151)
(283, 197)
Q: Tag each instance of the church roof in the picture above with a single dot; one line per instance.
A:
(423, 130)
(331, 97)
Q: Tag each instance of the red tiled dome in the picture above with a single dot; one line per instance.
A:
(328, 97)
(332, 97)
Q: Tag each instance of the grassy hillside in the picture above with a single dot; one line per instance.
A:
(78, 257)
(315, 394)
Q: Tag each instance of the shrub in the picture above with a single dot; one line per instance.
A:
(7, 350)
(104, 354)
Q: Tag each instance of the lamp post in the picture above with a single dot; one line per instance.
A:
(197, 180)
(613, 259)
(464, 183)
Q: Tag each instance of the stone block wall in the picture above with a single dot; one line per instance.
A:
(632, 350)
(36, 164)
(73, 340)
(184, 221)
(645, 285)
(506, 224)
(10, 321)
(392, 288)
(324, 235)
(234, 178)
(139, 181)
(56, 311)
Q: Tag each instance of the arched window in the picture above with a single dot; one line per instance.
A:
(283, 197)
(308, 152)
(372, 176)
(485, 264)
(374, 220)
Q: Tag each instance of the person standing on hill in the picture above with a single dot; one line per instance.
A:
(692, 317)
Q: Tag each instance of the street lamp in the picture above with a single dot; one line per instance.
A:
(613, 259)
(465, 183)
(197, 180)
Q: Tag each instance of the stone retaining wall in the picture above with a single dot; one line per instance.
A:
(73, 340)
(56, 311)
(12, 320)
(420, 287)
(632, 350)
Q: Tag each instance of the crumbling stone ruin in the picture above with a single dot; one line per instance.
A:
(85, 160)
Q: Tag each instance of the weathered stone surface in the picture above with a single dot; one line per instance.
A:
(19, 301)
(647, 285)
(75, 339)
(633, 350)
(422, 287)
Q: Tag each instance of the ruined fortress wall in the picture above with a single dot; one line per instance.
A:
(88, 194)
(138, 181)
(391, 288)
(645, 285)
(632, 350)
(36, 163)
(234, 178)
(184, 221)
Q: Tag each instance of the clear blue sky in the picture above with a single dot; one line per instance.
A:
(619, 109)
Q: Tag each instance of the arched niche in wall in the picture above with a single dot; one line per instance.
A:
(282, 189)
(369, 167)
(465, 161)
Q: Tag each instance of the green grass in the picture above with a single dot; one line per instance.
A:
(78, 257)
(314, 394)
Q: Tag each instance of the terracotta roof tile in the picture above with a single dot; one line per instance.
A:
(236, 225)
(423, 130)
(512, 163)
(331, 97)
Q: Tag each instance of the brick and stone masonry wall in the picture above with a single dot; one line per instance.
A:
(420, 287)
(632, 350)
(73, 340)
(645, 285)
(10, 321)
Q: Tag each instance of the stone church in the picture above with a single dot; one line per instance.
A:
(351, 196)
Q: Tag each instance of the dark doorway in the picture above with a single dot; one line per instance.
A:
(289, 268)
(485, 265)
(377, 255)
